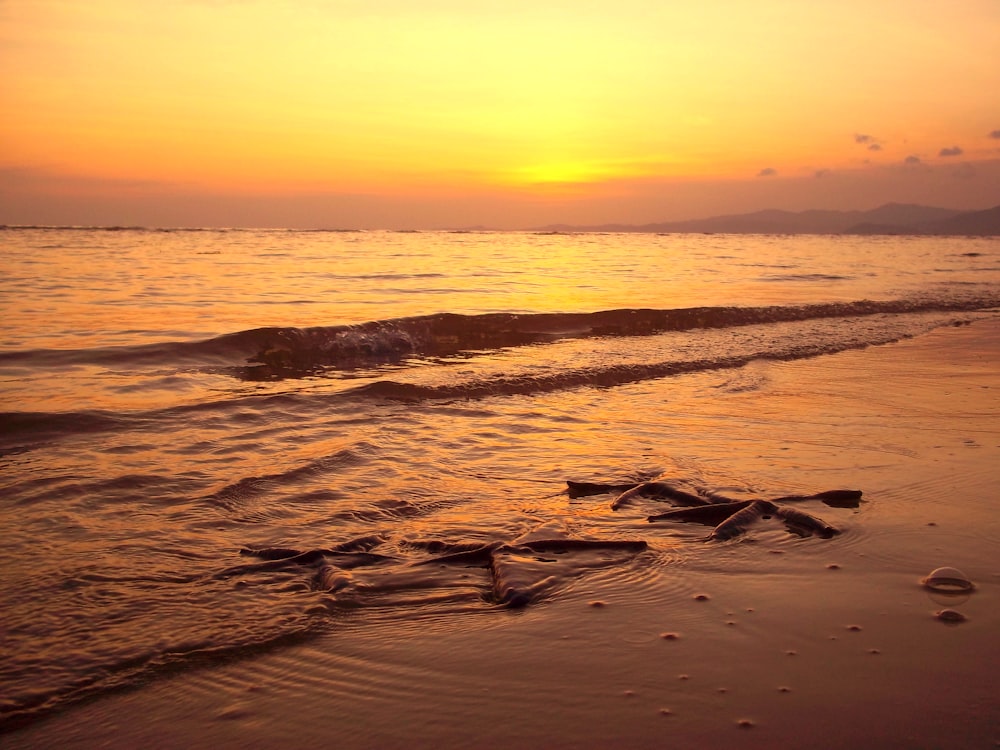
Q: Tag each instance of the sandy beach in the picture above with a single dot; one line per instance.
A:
(815, 643)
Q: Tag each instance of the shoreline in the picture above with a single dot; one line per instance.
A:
(806, 654)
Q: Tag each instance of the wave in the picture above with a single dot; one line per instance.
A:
(41, 427)
(599, 377)
(131, 671)
(280, 352)
(604, 376)
(585, 365)
(808, 277)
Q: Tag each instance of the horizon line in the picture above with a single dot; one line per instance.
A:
(544, 228)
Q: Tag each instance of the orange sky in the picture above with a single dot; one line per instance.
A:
(402, 113)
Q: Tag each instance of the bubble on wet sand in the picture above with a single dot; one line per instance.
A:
(597, 604)
(670, 636)
(948, 581)
(950, 615)
(745, 723)
(701, 597)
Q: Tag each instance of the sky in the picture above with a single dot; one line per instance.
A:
(512, 114)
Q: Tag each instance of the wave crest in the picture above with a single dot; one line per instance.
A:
(283, 352)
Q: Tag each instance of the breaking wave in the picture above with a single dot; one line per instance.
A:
(293, 352)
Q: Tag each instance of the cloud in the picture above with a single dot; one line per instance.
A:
(995, 134)
(869, 141)
(767, 172)
(912, 160)
(821, 173)
(953, 151)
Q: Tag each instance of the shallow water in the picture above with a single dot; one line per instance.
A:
(173, 398)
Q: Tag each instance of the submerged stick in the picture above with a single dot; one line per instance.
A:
(514, 585)
(658, 490)
(585, 489)
(277, 558)
(711, 515)
(795, 520)
(479, 555)
(559, 545)
(804, 524)
(833, 498)
(271, 553)
(741, 520)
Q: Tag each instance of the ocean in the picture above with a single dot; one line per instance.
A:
(221, 443)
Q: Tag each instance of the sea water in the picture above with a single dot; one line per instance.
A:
(184, 410)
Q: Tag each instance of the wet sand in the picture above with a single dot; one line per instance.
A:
(821, 644)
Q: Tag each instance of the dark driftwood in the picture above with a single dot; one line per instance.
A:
(517, 572)
(732, 518)
(659, 490)
(833, 498)
(514, 568)
(804, 524)
(514, 582)
(741, 520)
(564, 545)
(712, 515)
(585, 489)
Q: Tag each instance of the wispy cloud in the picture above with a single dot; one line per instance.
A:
(767, 172)
(995, 134)
(953, 151)
(821, 173)
(911, 159)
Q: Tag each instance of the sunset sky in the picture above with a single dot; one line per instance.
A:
(434, 113)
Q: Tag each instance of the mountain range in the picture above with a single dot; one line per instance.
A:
(892, 218)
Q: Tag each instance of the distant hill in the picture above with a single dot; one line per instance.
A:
(892, 218)
(980, 223)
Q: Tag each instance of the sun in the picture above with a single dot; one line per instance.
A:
(559, 176)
